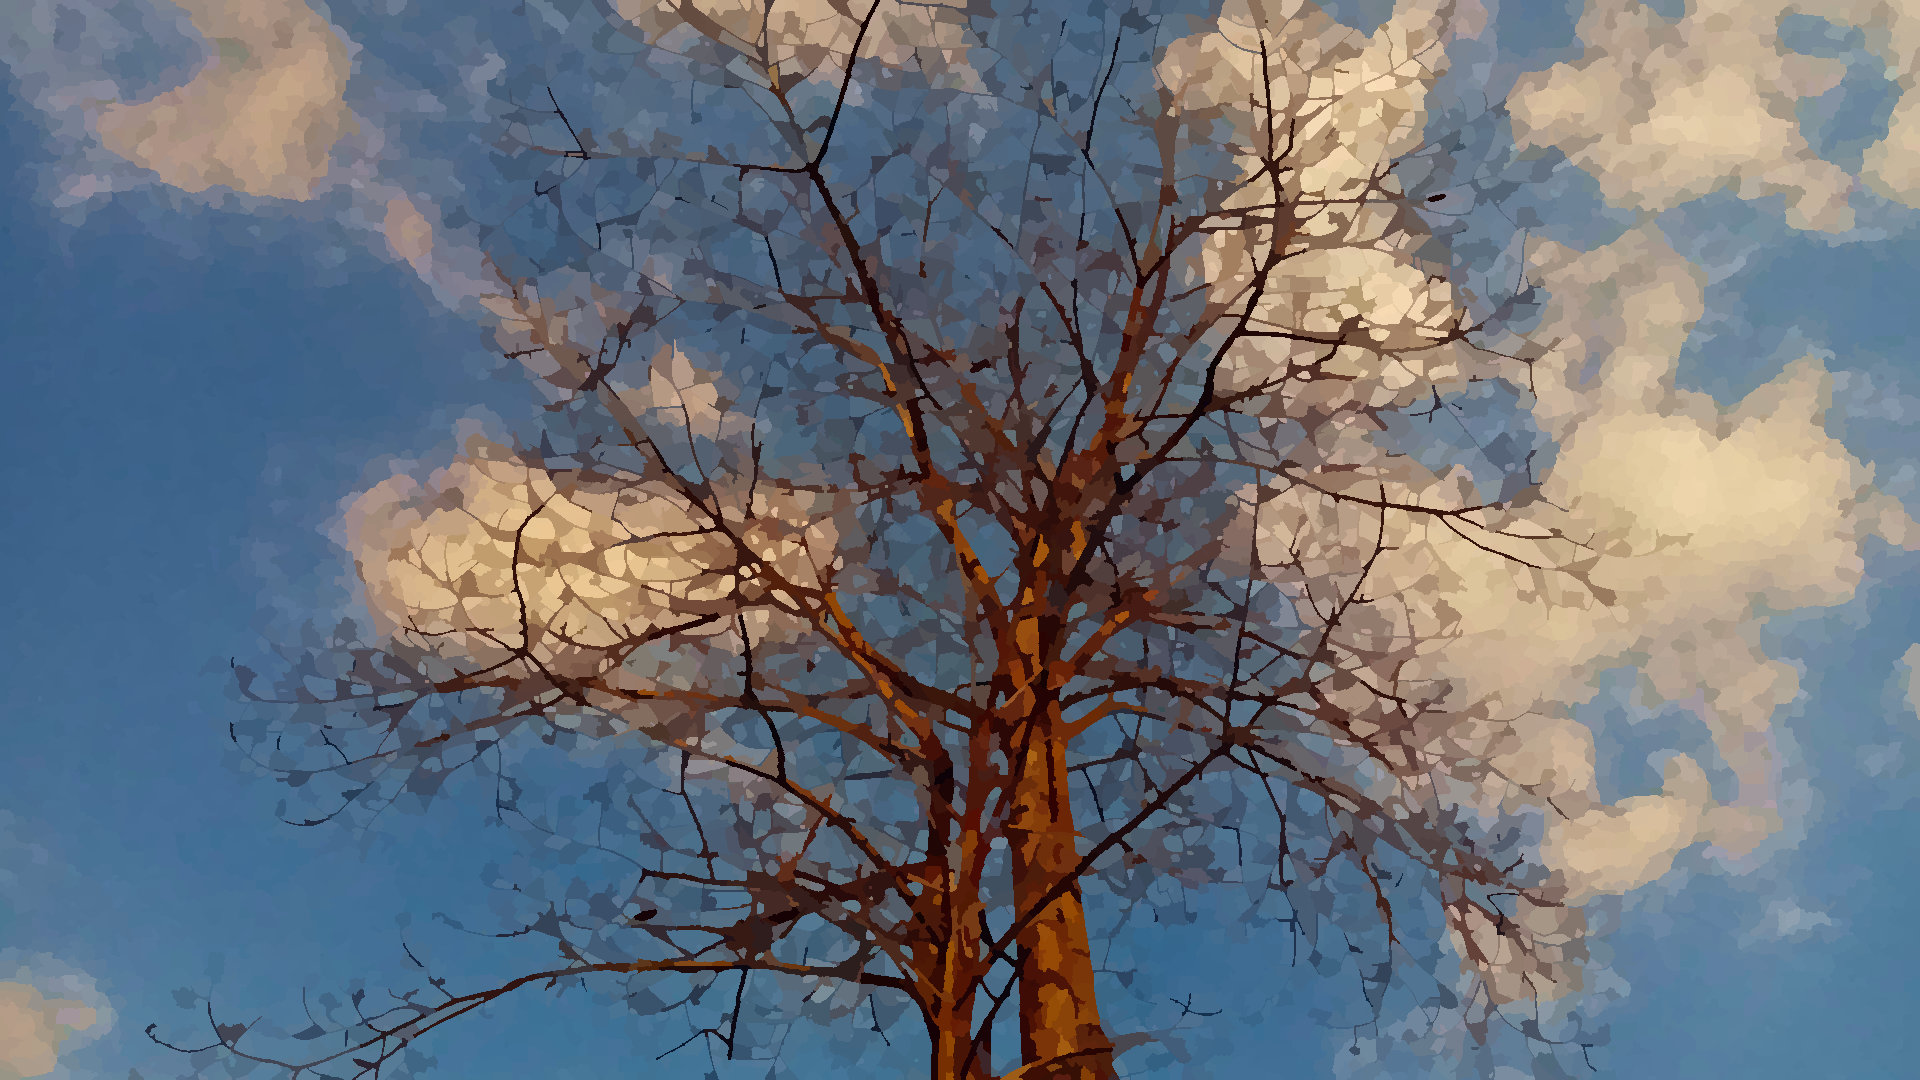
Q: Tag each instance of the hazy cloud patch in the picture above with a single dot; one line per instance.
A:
(1910, 673)
(261, 116)
(46, 1009)
(1786, 920)
(254, 100)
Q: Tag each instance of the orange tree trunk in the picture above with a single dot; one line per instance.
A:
(951, 967)
(951, 1031)
(1060, 1033)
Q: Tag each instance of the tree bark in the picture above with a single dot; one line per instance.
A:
(951, 1032)
(1061, 1037)
(948, 962)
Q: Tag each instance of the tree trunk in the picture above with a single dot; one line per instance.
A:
(1060, 1033)
(951, 1032)
(946, 966)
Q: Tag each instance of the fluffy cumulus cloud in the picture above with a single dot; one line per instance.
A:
(495, 556)
(246, 95)
(1664, 527)
(46, 1008)
(1697, 514)
(1360, 102)
(491, 555)
(245, 104)
(1666, 523)
(1665, 111)
(261, 116)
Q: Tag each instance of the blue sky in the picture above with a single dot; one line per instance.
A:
(179, 424)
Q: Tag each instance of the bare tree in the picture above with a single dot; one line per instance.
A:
(975, 502)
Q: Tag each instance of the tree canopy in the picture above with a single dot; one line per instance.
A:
(1008, 471)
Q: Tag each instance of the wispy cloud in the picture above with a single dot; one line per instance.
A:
(1910, 665)
(1787, 920)
(46, 1008)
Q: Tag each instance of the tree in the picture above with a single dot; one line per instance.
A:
(984, 472)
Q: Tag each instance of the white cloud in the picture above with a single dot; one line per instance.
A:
(491, 555)
(1663, 112)
(1720, 507)
(490, 541)
(246, 106)
(261, 116)
(1700, 512)
(1687, 515)
(1619, 848)
(1360, 102)
(806, 38)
